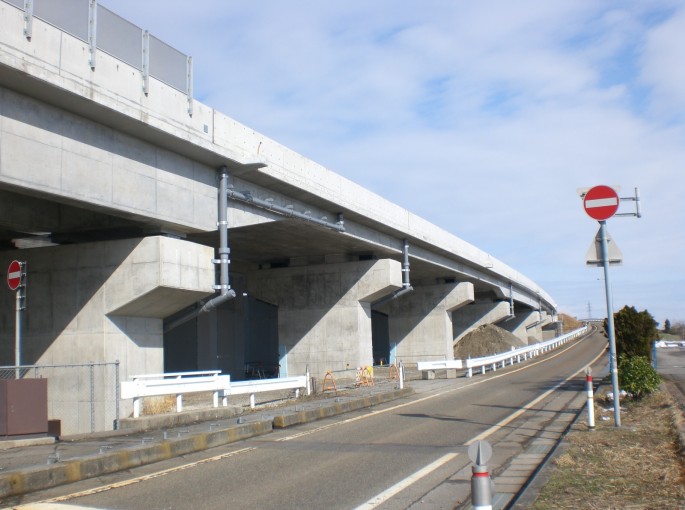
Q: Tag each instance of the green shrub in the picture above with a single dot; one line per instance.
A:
(637, 376)
(634, 331)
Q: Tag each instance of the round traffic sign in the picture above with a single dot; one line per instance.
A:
(601, 202)
(14, 275)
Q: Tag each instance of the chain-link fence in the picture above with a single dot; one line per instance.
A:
(85, 398)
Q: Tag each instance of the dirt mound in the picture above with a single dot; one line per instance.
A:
(569, 323)
(485, 341)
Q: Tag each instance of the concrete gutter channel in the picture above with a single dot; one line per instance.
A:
(33, 464)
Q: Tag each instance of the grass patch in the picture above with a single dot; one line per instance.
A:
(636, 466)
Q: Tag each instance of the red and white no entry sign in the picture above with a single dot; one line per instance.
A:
(601, 202)
(14, 275)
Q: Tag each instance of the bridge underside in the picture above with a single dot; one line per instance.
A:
(110, 196)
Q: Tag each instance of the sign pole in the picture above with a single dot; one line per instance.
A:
(16, 279)
(610, 323)
(17, 336)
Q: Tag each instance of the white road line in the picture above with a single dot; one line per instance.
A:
(318, 429)
(137, 479)
(375, 412)
(525, 408)
(403, 484)
(51, 506)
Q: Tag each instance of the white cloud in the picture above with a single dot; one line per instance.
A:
(482, 117)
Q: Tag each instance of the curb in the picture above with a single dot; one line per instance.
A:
(8, 444)
(678, 413)
(23, 481)
(44, 477)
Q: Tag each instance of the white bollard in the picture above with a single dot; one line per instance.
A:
(481, 483)
(590, 399)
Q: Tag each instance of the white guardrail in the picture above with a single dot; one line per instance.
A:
(515, 355)
(180, 383)
(260, 385)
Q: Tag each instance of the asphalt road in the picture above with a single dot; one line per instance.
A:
(410, 453)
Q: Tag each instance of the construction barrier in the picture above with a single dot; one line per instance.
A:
(364, 376)
(328, 379)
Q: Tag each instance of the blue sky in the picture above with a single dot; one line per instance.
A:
(482, 117)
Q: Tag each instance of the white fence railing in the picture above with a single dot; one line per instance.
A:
(180, 383)
(442, 364)
(261, 385)
(515, 355)
(176, 383)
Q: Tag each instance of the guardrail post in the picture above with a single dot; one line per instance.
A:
(136, 407)
(179, 402)
(401, 375)
(309, 382)
(252, 401)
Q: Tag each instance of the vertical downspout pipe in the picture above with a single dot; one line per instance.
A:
(405, 265)
(406, 286)
(226, 293)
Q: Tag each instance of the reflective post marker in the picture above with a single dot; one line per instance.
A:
(590, 399)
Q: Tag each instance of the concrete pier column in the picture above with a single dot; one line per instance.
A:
(525, 326)
(420, 322)
(470, 317)
(102, 302)
(324, 311)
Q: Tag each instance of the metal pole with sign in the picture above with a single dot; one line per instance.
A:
(610, 324)
(16, 280)
(601, 203)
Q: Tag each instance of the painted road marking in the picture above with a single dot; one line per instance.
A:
(371, 414)
(403, 484)
(138, 479)
(525, 408)
(375, 412)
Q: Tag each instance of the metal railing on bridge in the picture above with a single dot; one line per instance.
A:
(104, 30)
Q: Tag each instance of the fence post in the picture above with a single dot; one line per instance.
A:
(116, 394)
(91, 367)
(309, 382)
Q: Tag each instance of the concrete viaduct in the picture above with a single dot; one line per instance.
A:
(110, 190)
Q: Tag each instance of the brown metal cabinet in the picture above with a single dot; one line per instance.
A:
(23, 406)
